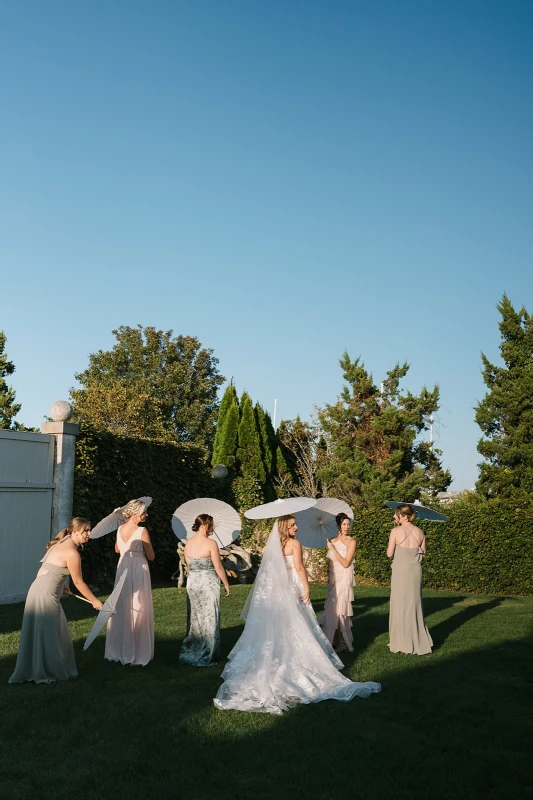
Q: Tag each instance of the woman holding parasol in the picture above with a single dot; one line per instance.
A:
(130, 632)
(46, 653)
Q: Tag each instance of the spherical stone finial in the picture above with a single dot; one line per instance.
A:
(220, 471)
(61, 411)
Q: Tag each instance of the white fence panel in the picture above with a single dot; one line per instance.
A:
(26, 493)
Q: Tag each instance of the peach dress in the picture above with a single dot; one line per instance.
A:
(336, 621)
(130, 632)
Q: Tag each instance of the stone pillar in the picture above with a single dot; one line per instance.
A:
(64, 463)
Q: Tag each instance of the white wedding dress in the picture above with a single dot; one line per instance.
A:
(282, 657)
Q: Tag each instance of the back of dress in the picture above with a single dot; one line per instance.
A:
(133, 547)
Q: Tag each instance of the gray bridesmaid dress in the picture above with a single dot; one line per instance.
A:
(408, 632)
(201, 646)
(46, 652)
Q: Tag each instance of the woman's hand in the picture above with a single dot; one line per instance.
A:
(305, 598)
(226, 591)
(97, 604)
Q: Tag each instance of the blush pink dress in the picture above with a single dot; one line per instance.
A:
(336, 621)
(130, 632)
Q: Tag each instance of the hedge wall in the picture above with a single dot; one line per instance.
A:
(110, 470)
(485, 548)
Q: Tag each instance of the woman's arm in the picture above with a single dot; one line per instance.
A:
(74, 567)
(219, 569)
(147, 544)
(423, 544)
(350, 552)
(296, 553)
(391, 547)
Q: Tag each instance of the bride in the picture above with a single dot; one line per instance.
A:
(282, 657)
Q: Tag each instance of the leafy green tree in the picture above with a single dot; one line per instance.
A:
(374, 451)
(249, 455)
(225, 446)
(151, 385)
(8, 407)
(505, 415)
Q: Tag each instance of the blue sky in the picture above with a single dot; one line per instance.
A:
(284, 179)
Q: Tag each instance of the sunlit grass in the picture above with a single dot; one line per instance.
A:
(456, 724)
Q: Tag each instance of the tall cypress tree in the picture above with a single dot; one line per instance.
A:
(225, 443)
(8, 408)
(249, 449)
(505, 415)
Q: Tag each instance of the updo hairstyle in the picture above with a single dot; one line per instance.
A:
(132, 508)
(406, 511)
(203, 519)
(339, 519)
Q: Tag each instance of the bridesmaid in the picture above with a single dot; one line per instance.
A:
(408, 632)
(201, 645)
(336, 621)
(46, 653)
(130, 632)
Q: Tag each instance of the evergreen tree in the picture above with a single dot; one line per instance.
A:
(8, 408)
(249, 449)
(227, 453)
(372, 437)
(225, 444)
(505, 415)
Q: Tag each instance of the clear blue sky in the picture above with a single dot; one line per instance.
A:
(284, 179)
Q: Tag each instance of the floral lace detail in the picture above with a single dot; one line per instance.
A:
(282, 657)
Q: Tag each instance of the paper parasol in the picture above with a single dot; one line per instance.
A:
(112, 521)
(107, 610)
(317, 524)
(280, 508)
(226, 521)
(422, 512)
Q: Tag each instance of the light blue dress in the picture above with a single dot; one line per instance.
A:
(201, 646)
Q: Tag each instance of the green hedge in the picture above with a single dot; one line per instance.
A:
(110, 470)
(485, 548)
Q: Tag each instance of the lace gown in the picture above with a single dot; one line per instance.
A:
(130, 632)
(282, 657)
(336, 621)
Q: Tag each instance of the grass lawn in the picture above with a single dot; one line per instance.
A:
(455, 724)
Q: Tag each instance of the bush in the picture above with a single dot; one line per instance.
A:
(486, 547)
(112, 469)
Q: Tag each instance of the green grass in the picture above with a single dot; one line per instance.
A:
(456, 724)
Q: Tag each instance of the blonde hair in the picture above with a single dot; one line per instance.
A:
(406, 511)
(132, 508)
(76, 524)
(283, 529)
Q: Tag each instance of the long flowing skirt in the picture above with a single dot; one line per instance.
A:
(46, 653)
(130, 632)
(201, 646)
(408, 632)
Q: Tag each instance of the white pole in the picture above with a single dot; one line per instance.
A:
(274, 415)
(431, 430)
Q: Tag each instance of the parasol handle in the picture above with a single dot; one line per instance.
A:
(215, 534)
(71, 594)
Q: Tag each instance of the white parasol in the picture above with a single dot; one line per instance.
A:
(422, 512)
(107, 610)
(280, 508)
(316, 525)
(226, 521)
(112, 521)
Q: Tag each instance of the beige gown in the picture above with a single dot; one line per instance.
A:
(408, 632)
(46, 653)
